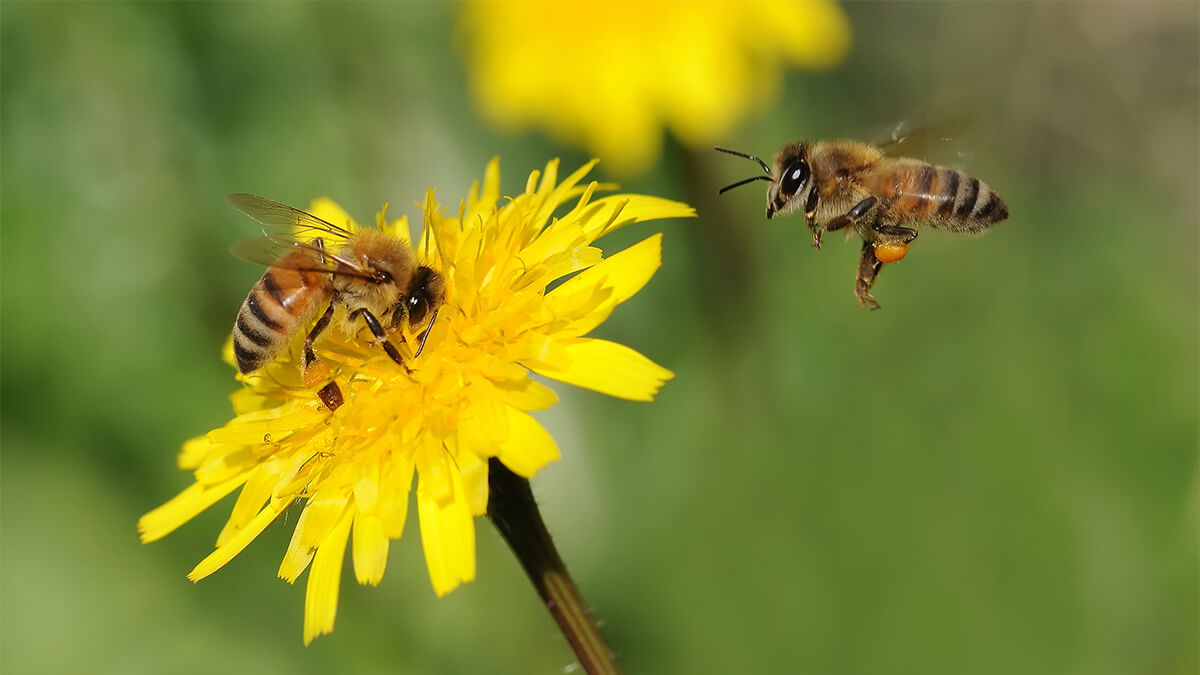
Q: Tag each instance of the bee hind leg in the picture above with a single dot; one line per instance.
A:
(380, 335)
(906, 234)
(868, 270)
(315, 371)
(851, 217)
(310, 357)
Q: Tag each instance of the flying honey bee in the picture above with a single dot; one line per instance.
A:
(843, 183)
(373, 275)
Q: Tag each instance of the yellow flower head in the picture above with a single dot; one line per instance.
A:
(467, 398)
(610, 74)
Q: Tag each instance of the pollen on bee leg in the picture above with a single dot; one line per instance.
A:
(316, 373)
(889, 252)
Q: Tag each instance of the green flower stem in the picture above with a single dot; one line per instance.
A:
(515, 514)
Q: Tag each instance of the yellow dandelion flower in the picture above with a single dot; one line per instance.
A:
(467, 398)
(611, 74)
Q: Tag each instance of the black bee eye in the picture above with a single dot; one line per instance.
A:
(383, 277)
(417, 307)
(795, 176)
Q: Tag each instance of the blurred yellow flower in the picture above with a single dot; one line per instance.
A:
(467, 398)
(609, 75)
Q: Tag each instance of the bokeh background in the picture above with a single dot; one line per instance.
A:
(996, 473)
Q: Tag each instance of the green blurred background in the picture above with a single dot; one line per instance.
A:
(996, 473)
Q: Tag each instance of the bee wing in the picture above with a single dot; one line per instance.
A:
(284, 222)
(273, 251)
(925, 140)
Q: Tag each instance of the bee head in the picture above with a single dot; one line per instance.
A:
(792, 186)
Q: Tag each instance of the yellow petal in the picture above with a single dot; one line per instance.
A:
(623, 274)
(298, 555)
(322, 513)
(255, 494)
(193, 452)
(217, 559)
(370, 548)
(474, 470)
(559, 193)
(610, 368)
(264, 426)
(636, 208)
(393, 497)
(183, 507)
(526, 394)
(529, 446)
(447, 532)
(324, 580)
(534, 351)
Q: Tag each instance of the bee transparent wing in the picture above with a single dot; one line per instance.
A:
(928, 140)
(276, 251)
(284, 222)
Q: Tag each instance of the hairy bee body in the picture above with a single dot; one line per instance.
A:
(910, 192)
(840, 184)
(360, 277)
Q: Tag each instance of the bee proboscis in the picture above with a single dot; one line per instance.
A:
(847, 184)
(313, 265)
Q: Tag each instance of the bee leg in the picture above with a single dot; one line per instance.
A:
(398, 315)
(380, 335)
(868, 270)
(850, 217)
(810, 215)
(906, 234)
(310, 356)
(330, 394)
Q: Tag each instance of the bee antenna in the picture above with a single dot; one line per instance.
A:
(740, 183)
(743, 155)
(425, 335)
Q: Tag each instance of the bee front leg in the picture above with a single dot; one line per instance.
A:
(868, 270)
(851, 217)
(380, 335)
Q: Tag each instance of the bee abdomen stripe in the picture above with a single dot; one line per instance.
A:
(248, 358)
(967, 204)
(925, 182)
(258, 312)
(991, 208)
(250, 333)
(949, 195)
(272, 288)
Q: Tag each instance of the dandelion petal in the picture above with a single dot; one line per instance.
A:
(610, 368)
(448, 532)
(321, 595)
(529, 446)
(217, 559)
(370, 548)
(162, 521)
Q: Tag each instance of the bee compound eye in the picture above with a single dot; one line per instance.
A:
(795, 176)
(417, 306)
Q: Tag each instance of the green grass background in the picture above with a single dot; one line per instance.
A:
(996, 473)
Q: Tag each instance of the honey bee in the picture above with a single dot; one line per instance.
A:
(847, 184)
(373, 275)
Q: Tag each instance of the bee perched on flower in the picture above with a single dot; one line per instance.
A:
(443, 410)
(611, 75)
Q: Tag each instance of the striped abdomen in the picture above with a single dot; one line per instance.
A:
(289, 295)
(943, 198)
